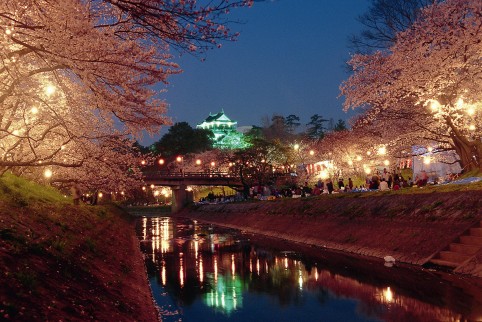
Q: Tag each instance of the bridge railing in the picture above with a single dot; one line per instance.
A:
(200, 174)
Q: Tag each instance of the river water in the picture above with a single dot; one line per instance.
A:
(200, 272)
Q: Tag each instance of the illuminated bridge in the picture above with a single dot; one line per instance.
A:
(164, 178)
(178, 181)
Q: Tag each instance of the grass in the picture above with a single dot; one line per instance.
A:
(22, 192)
(416, 190)
(204, 191)
(49, 245)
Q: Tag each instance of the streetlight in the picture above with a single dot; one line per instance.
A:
(50, 89)
(382, 150)
(164, 193)
(48, 173)
(180, 159)
(156, 194)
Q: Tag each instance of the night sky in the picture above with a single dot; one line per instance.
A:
(289, 59)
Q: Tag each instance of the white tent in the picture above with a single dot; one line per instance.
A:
(437, 165)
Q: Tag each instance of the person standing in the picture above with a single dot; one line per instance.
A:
(350, 184)
(76, 194)
(341, 184)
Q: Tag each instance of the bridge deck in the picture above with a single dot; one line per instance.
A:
(165, 178)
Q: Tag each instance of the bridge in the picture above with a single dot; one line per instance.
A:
(172, 179)
(178, 181)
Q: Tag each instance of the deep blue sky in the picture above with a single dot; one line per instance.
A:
(289, 59)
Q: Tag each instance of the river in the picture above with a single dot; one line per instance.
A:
(200, 272)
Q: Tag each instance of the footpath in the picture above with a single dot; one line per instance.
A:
(411, 228)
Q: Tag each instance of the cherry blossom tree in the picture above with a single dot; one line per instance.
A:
(428, 84)
(77, 77)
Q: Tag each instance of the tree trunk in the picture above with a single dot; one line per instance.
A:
(470, 153)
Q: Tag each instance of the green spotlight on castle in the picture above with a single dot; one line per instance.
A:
(226, 135)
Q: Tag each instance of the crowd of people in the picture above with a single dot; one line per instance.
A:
(381, 181)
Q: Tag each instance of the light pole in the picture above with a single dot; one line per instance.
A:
(180, 159)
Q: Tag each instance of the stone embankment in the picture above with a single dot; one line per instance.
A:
(409, 227)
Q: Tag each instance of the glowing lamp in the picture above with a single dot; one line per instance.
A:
(434, 105)
(161, 161)
(179, 159)
(312, 152)
(48, 173)
(386, 162)
(460, 103)
(198, 162)
(324, 174)
(472, 127)
(49, 90)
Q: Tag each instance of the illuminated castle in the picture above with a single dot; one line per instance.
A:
(226, 135)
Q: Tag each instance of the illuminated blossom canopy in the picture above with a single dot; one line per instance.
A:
(76, 80)
(426, 88)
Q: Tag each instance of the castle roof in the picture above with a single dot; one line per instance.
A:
(220, 117)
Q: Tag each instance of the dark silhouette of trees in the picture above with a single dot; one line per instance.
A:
(316, 127)
(182, 139)
(292, 122)
(340, 126)
(383, 20)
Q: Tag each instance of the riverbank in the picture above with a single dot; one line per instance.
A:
(62, 262)
(409, 227)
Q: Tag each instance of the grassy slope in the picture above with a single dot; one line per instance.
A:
(66, 262)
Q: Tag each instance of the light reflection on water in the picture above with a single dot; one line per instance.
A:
(203, 273)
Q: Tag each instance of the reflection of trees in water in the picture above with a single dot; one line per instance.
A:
(285, 277)
(279, 284)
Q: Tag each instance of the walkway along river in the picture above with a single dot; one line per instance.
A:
(202, 272)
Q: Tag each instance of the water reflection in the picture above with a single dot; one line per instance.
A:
(202, 273)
